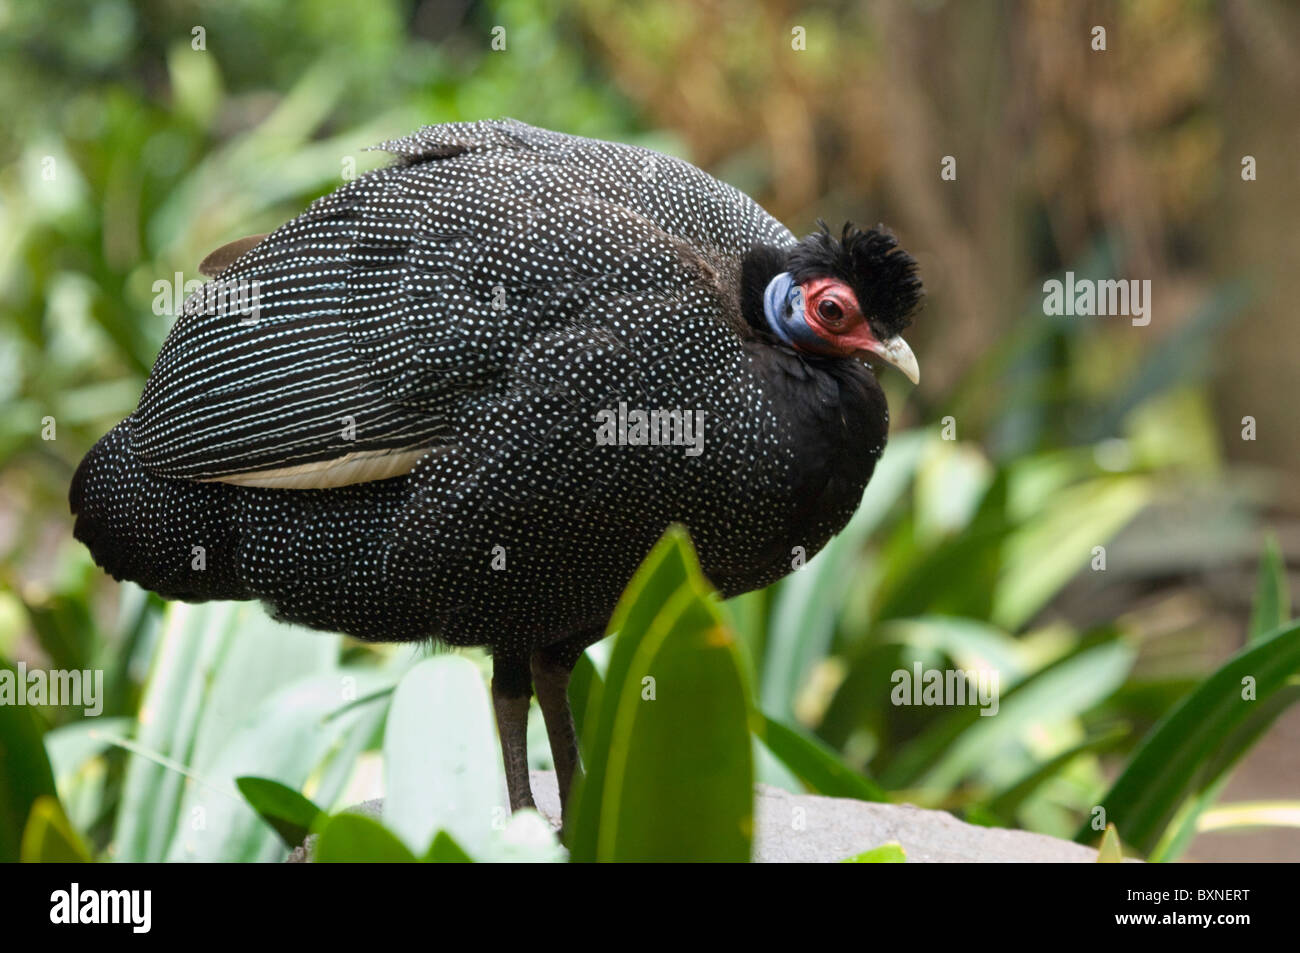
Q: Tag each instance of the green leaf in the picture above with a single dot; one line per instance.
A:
(968, 562)
(772, 771)
(1001, 810)
(816, 764)
(72, 745)
(185, 655)
(750, 614)
(674, 781)
(288, 737)
(1214, 775)
(81, 772)
(49, 837)
(1168, 766)
(1251, 815)
(290, 814)
(660, 575)
(295, 734)
(26, 776)
(63, 628)
(962, 741)
(680, 778)
(354, 839)
(216, 669)
(582, 685)
(1110, 852)
(1185, 824)
(891, 853)
(968, 642)
(1057, 543)
(442, 759)
(1272, 606)
(445, 850)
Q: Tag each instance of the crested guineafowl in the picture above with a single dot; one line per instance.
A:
(461, 397)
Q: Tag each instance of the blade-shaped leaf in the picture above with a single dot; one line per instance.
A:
(27, 775)
(445, 850)
(676, 777)
(891, 853)
(1110, 851)
(1272, 596)
(1167, 765)
(80, 771)
(290, 814)
(817, 765)
(286, 737)
(213, 665)
(1249, 815)
(1271, 609)
(1002, 808)
(963, 740)
(658, 577)
(1055, 545)
(680, 781)
(1214, 774)
(354, 839)
(49, 837)
(582, 685)
(442, 760)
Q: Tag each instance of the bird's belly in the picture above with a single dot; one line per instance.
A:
(548, 568)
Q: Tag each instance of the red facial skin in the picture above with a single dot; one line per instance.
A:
(847, 334)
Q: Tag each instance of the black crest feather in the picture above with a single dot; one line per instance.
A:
(881, 274)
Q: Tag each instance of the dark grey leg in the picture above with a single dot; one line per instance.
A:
(511, 690)
(552, 665)
(552, 682)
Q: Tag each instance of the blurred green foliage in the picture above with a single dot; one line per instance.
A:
(126, 154)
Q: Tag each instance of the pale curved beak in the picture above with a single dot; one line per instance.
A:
(895, 351)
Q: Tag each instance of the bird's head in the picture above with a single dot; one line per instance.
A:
(850, 296)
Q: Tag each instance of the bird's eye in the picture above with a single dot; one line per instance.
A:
(829, 310)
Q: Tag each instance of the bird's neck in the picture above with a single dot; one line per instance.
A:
(838, 424)
(760, 265)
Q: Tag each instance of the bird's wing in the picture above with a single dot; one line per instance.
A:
(222, 258)
(343, 346)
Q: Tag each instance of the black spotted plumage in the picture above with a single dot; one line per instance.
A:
(473, 308)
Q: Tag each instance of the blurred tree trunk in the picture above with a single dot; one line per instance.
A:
(1256, 225)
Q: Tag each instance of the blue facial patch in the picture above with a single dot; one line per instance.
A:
(783, 305)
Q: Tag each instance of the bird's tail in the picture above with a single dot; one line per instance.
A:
(330, 559)
(171, 536)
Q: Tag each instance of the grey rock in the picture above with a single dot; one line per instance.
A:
(373, 809)
(805, 828)
(809, 829)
